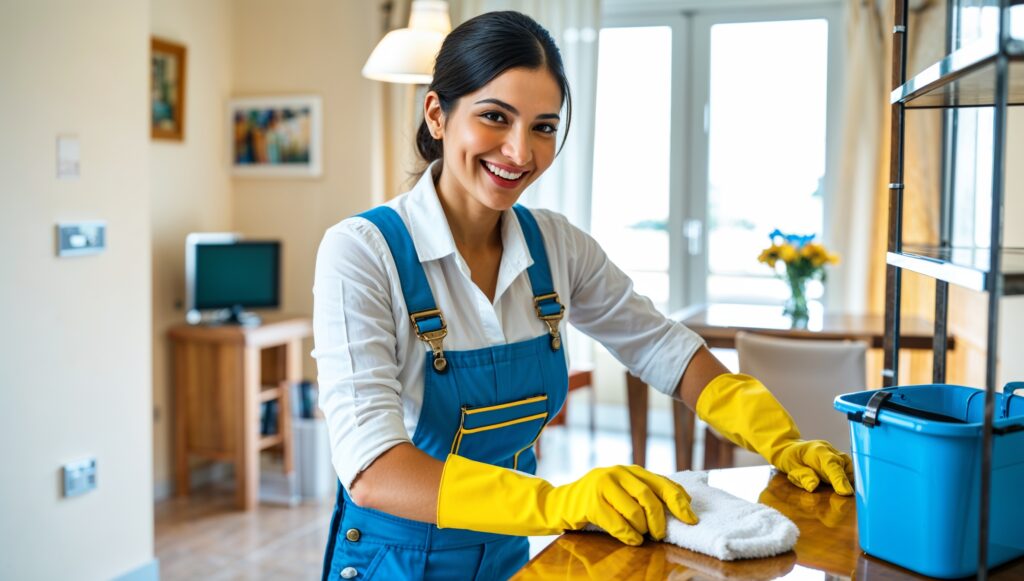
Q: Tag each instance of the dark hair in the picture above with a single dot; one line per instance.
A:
(479, 50)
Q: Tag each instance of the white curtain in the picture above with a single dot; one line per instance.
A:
(574, 24)
(396, 116)
(862, 152)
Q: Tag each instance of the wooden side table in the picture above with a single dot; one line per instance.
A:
(221, 376)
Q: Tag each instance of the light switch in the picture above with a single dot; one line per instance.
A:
(79, 477)
(68, 157)
(78, 238)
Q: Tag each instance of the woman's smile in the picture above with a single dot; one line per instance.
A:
(503, 175)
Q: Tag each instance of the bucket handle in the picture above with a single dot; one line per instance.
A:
(1008, 390)
(874, 405)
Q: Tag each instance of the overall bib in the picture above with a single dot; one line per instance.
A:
(487, 404)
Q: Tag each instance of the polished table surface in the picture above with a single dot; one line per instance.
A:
(718, 323)
(827, 547)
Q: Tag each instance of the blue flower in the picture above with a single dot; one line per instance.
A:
(794, 240)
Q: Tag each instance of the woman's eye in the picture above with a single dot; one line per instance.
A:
(547, 128)
(494, 116)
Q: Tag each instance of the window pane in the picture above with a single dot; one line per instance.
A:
(631, 154)
(766, 148)
(972, 189)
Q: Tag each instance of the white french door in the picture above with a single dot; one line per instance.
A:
(712, 130)
(636, 138)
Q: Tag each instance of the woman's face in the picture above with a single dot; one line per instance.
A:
(499, 139)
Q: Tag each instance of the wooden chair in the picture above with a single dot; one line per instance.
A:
(578, 379)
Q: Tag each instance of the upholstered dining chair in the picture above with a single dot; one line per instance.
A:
(805, 375)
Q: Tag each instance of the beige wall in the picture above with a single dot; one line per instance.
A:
(75, 357)
(318, 47)
(190, 186)
(254, 48)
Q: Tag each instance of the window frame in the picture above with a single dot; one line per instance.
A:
(691, 22)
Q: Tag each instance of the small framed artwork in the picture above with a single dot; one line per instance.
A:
(276, 136)
(167, 90)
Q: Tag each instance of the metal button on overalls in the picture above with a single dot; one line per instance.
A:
(352, 535)
(348, 573)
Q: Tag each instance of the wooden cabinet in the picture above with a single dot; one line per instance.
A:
(222, 374)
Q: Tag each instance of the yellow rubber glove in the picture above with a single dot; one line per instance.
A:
(625, 501)
(742, 409)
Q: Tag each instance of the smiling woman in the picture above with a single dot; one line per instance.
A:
(496, 140)
(441, 315)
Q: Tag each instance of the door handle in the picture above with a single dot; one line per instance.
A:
(693, 230)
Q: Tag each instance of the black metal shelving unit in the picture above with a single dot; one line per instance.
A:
(988, 72)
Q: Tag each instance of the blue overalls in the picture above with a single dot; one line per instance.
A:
(488, 405)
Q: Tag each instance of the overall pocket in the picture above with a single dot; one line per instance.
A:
(497, 433)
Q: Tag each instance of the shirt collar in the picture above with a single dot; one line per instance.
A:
(428, 225)
(432, 236)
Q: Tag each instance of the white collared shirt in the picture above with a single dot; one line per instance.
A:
(371, 364)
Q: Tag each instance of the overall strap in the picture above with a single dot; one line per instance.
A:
(426, 318)
(545, 299)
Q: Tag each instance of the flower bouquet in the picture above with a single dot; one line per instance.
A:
(803, 260)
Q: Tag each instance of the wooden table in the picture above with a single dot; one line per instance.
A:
(221, 375)
(718, 324)
(827, 545)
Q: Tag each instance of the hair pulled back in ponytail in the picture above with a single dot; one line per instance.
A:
(479, 50)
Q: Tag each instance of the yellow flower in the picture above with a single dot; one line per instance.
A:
(769, 256)
(810, 258)
(815, 254)
(788, 254)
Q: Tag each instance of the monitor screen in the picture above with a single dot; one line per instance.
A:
(243, 273)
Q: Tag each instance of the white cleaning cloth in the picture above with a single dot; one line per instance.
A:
(730, 528)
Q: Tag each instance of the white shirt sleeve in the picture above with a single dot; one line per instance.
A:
(355, 348)
(604, 306)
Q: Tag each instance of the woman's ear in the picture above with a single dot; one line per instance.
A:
(433, 115)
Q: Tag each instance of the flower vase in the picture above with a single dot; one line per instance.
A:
(796, 306)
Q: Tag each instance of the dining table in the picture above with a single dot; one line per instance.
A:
(827, 548)
(718, 323)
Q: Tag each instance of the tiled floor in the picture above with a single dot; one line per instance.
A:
(203, 537)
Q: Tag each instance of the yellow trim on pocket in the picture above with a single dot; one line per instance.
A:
(515, 459)
(457, 441)
(504, 424)
(505, 405)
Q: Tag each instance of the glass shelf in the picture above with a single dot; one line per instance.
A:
(965, 267)
(965, 78)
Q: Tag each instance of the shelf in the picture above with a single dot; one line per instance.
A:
(965, 78)
(965, 267)
(269, 392)
(269, 441)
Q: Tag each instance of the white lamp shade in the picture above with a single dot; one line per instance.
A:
(430, 15)
(405, 55)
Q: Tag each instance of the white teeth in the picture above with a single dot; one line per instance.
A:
(502, 173)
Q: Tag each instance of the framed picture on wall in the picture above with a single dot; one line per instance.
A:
(276, 136)
(167, 90)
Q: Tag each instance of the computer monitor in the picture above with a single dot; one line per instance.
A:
(226, 274)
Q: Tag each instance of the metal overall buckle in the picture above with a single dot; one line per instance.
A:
(551, 319)
(433, 338)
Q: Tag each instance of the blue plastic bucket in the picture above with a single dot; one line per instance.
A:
(918, 476)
